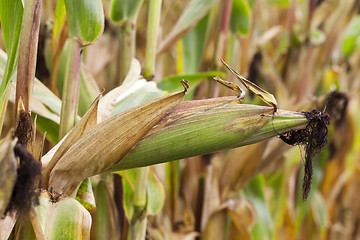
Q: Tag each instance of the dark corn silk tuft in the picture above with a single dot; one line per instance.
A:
(28, 180)
(314, 137)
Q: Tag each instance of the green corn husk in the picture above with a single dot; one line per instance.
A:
(64, 219)
(199, 127)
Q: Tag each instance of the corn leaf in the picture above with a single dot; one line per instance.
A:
(351, 40)
(123, 9)
(59, 22)
(64, 219)
(240, 17)
(11, 13)
(193, 47)
(254, 192)
(195, 10)
(85, 195)
(155, 194)
(80, 15)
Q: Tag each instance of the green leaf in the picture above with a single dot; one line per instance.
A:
(128, 177)
(51, 128)
(352, 37)
(155, 194)
(320, 212)
(59, 21)
(122, 9)
(85, 19)
(64, 219)
(279, 3)
(193, 45)
(194, 11)
(254, 191)
(11, 13)
(240, 17)
(85, 195)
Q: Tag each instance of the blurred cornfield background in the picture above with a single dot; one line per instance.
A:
(298, 50)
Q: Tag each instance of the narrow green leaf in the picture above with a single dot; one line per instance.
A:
(11, 13)
(128, 177)
(59, 22)
(279, 3)
(155, 194)
(351, 40)
(10, 16)
(122, 9)
(194, 11)
(254, 191)
(240, 17)
(46, 125)
(193, 45)
(320, 212)
(85, 19)
(85, 195)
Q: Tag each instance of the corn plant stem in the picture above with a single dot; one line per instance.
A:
(138, 230)
(139, 199)
(138, 224)
(29, 37)
(173, 182)
(128, 41)
(152, 33)
(71, 90)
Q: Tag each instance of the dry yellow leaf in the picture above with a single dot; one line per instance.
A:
(261, 93)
